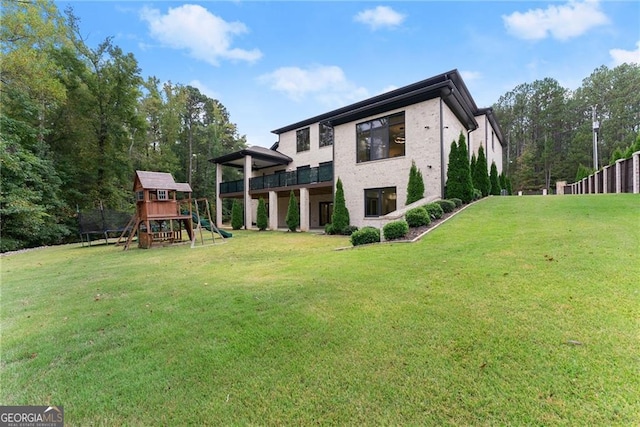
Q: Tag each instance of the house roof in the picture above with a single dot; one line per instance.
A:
(494, 122)
(261, 157)
(449, 86)
(160, 181)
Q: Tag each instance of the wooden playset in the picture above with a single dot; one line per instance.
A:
(164, 209)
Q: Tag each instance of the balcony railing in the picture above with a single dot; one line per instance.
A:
(322, 173)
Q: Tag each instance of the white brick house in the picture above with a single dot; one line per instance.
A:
(370, 146)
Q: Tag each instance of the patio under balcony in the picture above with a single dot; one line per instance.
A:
(306, 182)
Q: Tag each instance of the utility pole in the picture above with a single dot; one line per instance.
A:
(596, 126)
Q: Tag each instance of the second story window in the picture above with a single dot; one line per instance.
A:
(303, 141)
(163, 195)
(380, 138)
(326, 135)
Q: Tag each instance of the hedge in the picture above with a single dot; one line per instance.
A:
(446, 205)
(365, 235)
(435, 210)
(395, 229)
(417, 217)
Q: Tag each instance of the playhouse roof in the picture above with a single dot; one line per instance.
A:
(160, 181)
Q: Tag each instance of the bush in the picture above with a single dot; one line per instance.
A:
(328, 228)
(417, 217)
(457, 201)
(415, 188)
(365, 236)
(263, 218)
(237, 221)
(477, 194)
(435, 210)
(340, 217)
(446, 205)
(293, 214)
(349, 230)
(395, 229)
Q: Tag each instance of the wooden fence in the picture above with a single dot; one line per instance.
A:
(621, 177)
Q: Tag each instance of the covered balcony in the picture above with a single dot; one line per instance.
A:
(310, 184)
(282, 180)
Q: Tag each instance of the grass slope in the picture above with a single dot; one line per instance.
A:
(520, 310)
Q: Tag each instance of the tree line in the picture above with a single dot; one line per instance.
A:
(549, 128)
(77, 121)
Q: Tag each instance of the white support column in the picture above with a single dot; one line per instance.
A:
(596, 180)
(218, 196)
(589, 184)
(636, 172)
(605, 179)
(247, 197)
(273, 210)
(304, 209)
(619, 175)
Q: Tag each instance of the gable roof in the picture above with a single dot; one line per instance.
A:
(160, 181)
(448, 86)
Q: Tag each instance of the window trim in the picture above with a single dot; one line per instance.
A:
(385, 130)
(380, 200)
(162, 195)
(322, 141)
(307, 144)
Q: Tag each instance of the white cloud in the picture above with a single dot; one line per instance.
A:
(204, 35)
(620, 56)
(204, 89)
(388, 89)
(561, 22)
(327, 83)
(468, 76)
(381, 16)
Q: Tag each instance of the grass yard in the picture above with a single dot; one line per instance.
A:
(517, 311)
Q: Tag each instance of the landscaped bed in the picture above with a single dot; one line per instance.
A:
(517, 311)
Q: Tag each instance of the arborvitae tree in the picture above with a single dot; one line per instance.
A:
(465, 170)
(263, 219)
(293, 214)
(503, 181)
(452, 188)
(415, 188)
(472, 168)
(236, 215)
(509, 188)
(481, 174)
(459, 183)
(340, 217)
(493, 178)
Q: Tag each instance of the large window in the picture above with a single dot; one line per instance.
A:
(326, 135)
(381, 138)
(303, 140)
(379, 201)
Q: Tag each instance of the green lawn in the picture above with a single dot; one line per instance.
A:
(519, 311)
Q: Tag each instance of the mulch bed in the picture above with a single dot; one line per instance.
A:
(415, 232)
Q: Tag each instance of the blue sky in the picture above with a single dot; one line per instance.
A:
(274, 63)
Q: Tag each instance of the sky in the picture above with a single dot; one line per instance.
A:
(272, 64)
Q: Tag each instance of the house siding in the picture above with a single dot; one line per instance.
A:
(422, 133)
(439, 110)
(484, 136)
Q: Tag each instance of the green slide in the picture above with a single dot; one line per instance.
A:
(205, 224)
